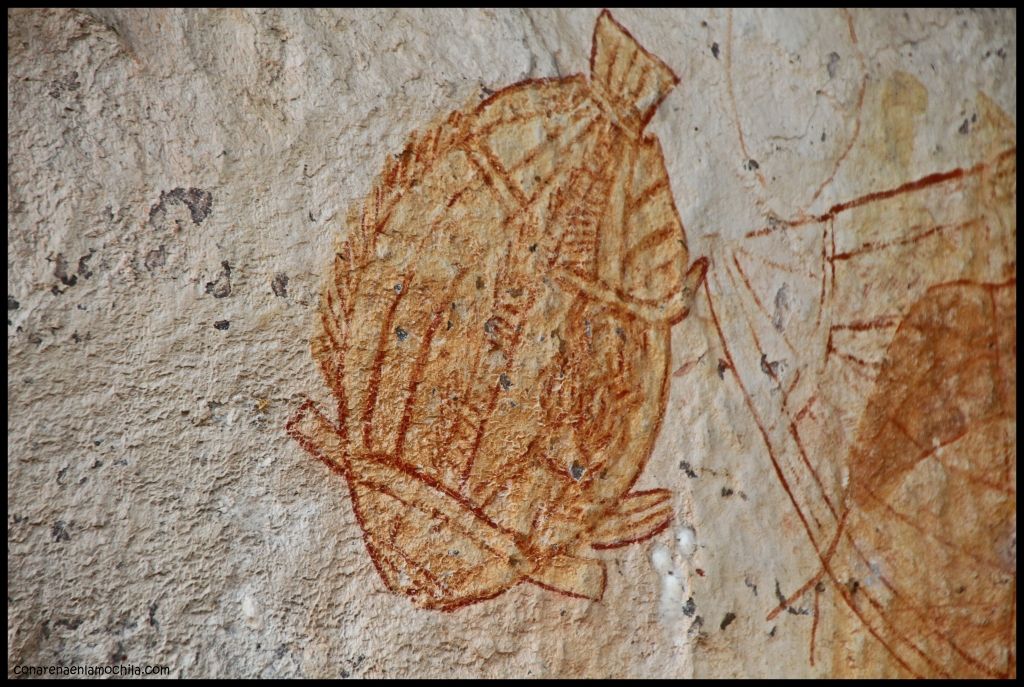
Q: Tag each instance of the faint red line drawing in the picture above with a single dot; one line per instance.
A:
(926, 362)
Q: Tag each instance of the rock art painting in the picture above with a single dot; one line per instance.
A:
(495, 331)
(370, 343)
(887, 406)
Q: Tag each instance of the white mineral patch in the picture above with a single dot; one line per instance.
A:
(686, 541)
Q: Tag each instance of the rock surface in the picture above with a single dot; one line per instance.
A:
(178, 182)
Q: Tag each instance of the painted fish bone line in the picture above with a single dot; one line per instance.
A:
(496, 334)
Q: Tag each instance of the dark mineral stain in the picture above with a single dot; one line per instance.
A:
(782, 603)
(83, 264)
(752, 165)
(965, 128)
(221, 288)
(714, 50)
(750, 585)
(12, 303)
(695, 629)
(69, 623)
(59, 531)
(533, 247)
(68, 83)
(401, 333)
(722, 367)
(778, 594)
(280, 285)
(576, 470)
(152, 615)
(687, 470)
(504, 381)
(726, 492)
(833, 61)
(781, 308)
(156, 258)
(198, 202)
(221, 324)
(727, 620)
(689, 608)
(60, 270)
(770, 368)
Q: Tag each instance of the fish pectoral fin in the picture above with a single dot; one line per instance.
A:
(682, 300)
(317, 434)
(580, 577)
(672, 309)
(639, 515)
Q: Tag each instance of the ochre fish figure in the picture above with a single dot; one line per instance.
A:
(496, 332)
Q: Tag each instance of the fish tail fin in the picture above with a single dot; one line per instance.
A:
(624, 73)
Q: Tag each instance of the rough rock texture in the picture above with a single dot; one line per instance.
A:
(177, 183)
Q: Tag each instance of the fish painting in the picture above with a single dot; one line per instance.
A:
(495, 331)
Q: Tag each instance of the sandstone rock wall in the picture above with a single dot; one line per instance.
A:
(177, 184)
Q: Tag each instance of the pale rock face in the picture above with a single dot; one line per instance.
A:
(839, 430)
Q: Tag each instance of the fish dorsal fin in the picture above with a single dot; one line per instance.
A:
(626, 75)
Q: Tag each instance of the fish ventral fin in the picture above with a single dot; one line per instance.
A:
(626, 75)
(580, 577)
(640, 515)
